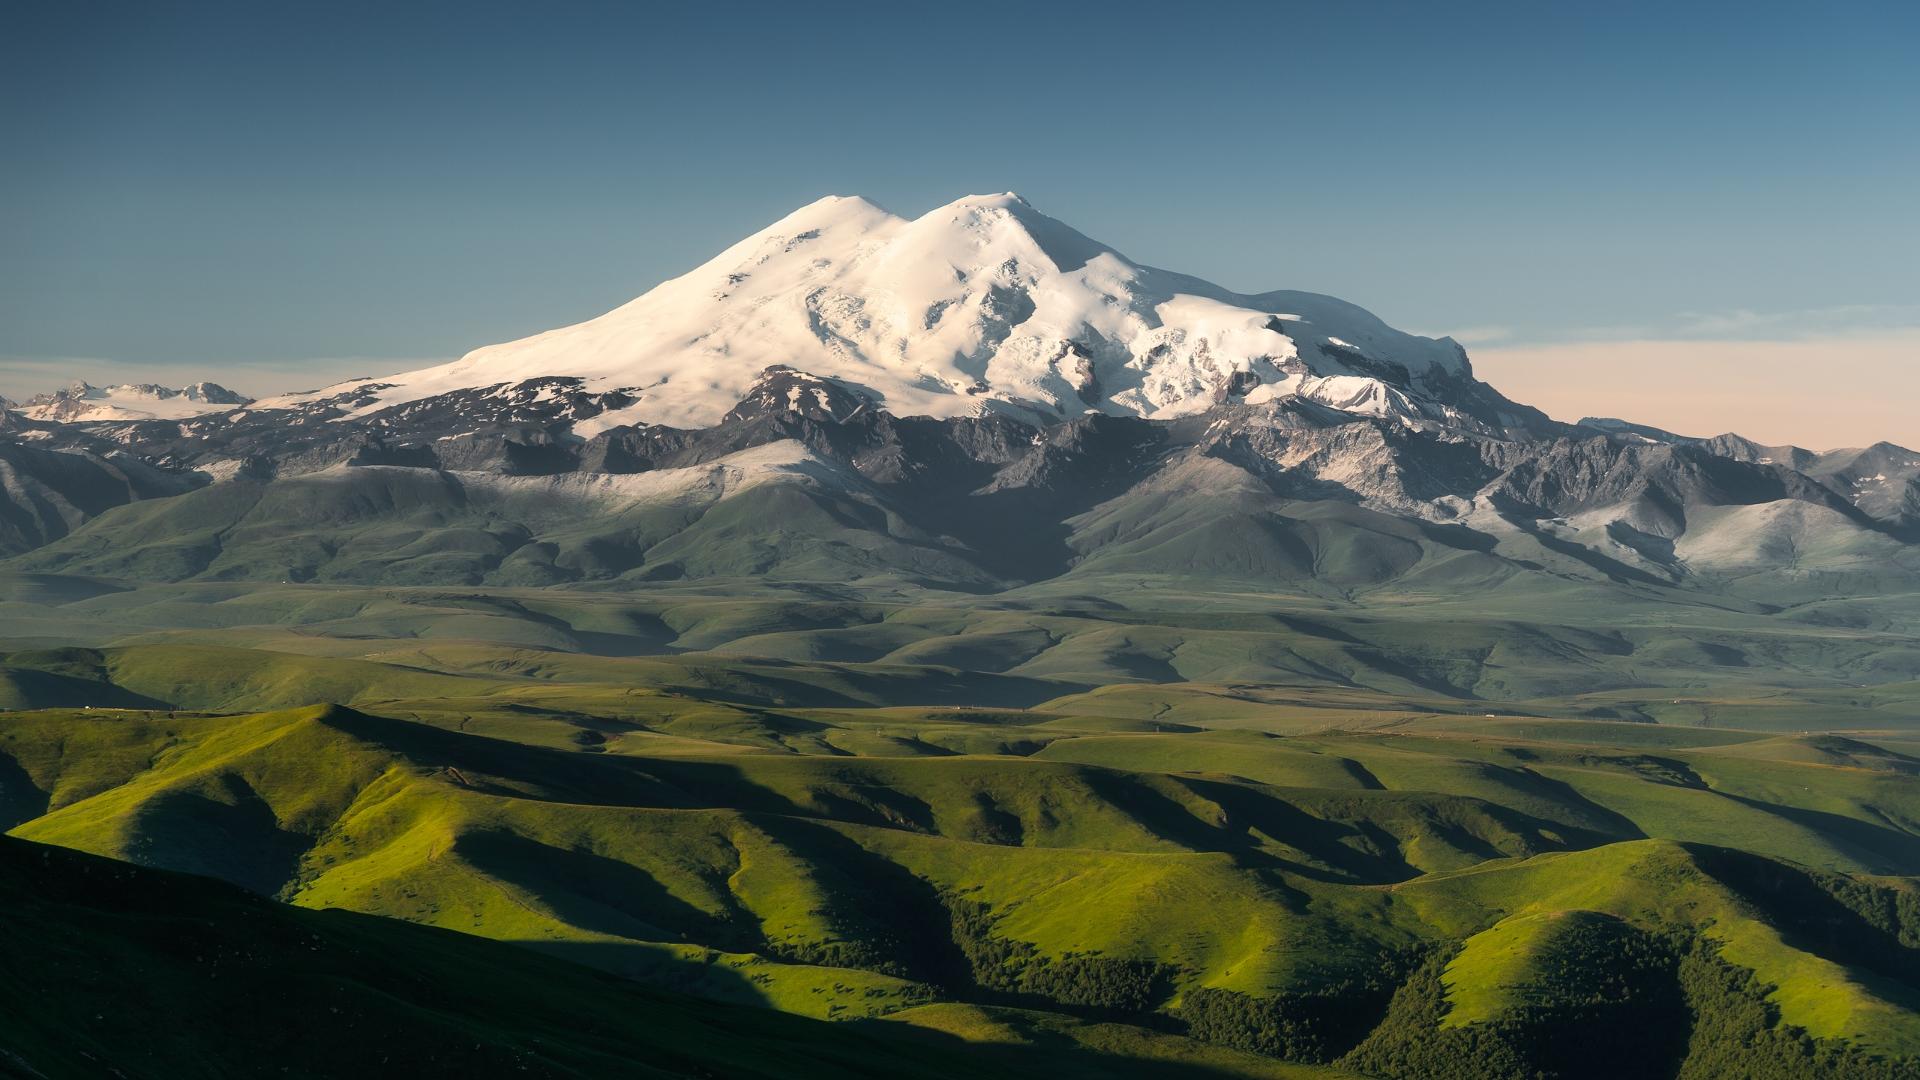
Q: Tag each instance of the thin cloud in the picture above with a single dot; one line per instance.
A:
(1744, 324)
(1805, 323)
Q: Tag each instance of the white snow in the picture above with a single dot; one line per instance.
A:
(82, 402)
(612, 418)
(981, 304)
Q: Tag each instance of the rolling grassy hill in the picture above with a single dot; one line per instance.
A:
(113, 969)
(1580, 650)
(1124, 815)
(1341, 883)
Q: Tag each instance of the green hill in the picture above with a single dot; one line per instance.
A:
(1369, 896)
(112, 969)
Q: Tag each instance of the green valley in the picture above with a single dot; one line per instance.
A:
(1161, 878)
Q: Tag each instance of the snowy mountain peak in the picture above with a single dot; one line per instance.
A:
(984, 304)
(82, 402)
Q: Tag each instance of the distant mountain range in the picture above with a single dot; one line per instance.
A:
(82, 402)
(978, 400)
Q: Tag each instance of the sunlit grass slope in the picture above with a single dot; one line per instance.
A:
(112, 969)
(1315, 893)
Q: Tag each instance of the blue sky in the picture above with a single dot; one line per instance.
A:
(272, 193)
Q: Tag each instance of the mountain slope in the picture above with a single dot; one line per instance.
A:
(46, 493)
(1371, 892)
(113, 969)
(981, 304)
(776, 510)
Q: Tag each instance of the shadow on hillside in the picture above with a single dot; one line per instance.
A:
(1046, 1051)
(1853, 923)
(1252, 821)
(20, 799)
(1881, 850)
(230, 833)
(1607, 825)
(893, 921)
(599, 894)
(516, 770)
(700, 974)
(31, 687)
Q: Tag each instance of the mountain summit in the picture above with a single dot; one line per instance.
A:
(980, 306)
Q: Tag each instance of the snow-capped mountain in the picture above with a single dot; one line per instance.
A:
(971, 398)
(85, 403)
(983, 305)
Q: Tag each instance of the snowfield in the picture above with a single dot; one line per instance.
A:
(979, 305)
(84, 403)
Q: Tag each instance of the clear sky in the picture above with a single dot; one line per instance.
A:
(1620, 208)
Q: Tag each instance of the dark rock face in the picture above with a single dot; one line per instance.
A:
(782, 391)
(46, 494)
(1387, 371)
